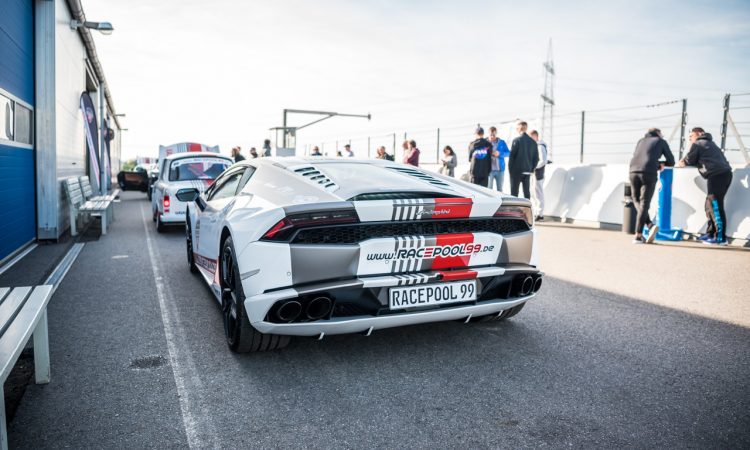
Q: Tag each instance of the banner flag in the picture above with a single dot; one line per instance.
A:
(92, 136)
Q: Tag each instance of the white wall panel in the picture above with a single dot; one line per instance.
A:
(70, 83)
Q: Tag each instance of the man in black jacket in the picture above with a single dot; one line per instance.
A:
(714, 167)
(644, 169)
(480, 157)
(524, 157)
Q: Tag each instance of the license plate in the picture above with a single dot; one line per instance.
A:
(432, 294)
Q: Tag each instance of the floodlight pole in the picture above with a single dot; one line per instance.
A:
(327, 115)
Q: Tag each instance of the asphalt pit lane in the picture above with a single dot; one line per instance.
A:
(148, 362)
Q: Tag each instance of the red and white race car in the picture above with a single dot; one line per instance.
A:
(196, 170)
(315, 247)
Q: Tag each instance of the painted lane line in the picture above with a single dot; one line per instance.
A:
(199, 430)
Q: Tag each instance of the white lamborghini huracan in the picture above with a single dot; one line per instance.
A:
(315, 247)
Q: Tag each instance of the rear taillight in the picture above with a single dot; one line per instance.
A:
(516, 212)
(166, 203)
(285, 228)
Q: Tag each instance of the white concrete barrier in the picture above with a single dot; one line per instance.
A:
(594, 193)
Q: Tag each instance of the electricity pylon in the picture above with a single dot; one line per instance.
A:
(548, 100)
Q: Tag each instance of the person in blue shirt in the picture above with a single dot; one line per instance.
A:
(499, 153)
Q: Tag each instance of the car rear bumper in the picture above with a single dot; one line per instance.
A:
(369, 324)
(259, 307)
(173, 218)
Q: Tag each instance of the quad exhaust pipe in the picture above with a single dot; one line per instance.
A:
(537, 284)
(318, 308)
(526, 286)
(289, 311)
(313, 309)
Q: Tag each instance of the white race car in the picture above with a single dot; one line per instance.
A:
(315, 247)
(182, 170)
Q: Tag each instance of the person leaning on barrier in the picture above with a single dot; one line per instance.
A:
(448, 161)
(539, 175)
(316, 151)
(524, 156)
(714, 167)
(644, 169)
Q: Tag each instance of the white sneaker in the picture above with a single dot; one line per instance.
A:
(639, 241)
(652, 234)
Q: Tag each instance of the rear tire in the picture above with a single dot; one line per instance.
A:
(240, 335)
(159, 223)
(506, 314)
(189, 240)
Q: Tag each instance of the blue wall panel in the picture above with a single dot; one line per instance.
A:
(17, 48)
(17, 195)
(17, 200)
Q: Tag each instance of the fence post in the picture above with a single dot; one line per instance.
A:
(437, 160)
(583, 127)
(368, 146)
(724, 123)
(394, 145)
(402, 147)
(337, 147)
(683, 125)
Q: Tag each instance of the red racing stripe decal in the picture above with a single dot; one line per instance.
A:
(456, 245)
(452, 208)
(456, 275)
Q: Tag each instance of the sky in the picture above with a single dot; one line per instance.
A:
(221, 72)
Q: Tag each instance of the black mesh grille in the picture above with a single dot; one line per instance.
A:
(354, 233)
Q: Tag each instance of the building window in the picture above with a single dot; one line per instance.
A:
(16, 121)
(6, 118)
(24, 132)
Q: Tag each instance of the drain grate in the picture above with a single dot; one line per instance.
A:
(148, 362)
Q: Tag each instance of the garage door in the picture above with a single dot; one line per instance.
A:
(17, 199)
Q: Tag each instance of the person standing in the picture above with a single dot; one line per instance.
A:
(316, 151)
(348, 150)
(539, 176)
(499, 152)
(714, 167)
(449, 161)
(524, 156)
(644, 169)
(480, 158)
(267, 147)
(411, 156)
(380, 153)
(236, 154)
(253, 152)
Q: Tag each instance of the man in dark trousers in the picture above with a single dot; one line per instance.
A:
(524, 157)
(644, 171)
(480, 157)
(714, 167)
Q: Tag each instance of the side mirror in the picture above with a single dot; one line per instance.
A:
(187, 195)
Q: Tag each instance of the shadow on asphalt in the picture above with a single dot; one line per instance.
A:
(577, 366)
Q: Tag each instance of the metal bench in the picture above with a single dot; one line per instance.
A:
(88, 195)
(78, 206)
(23, 313)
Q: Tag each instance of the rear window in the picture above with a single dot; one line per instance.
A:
(186, 169)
